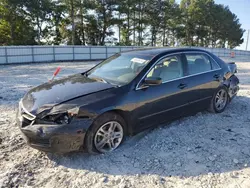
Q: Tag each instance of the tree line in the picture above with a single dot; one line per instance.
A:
(119, 22)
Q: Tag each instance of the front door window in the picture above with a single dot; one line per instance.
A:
(169, 68)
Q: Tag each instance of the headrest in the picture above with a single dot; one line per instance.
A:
(199, 61)
(173, 64)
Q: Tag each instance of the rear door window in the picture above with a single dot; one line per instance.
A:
(199, 63)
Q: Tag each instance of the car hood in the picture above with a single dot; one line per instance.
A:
(56, 92)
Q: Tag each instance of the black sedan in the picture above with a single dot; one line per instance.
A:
(123, 95)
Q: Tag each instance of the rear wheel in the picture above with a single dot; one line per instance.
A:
(219, 101)
(106, 134)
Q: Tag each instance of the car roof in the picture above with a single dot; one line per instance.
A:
(158, 51)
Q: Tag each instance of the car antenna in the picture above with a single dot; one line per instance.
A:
(55, 74)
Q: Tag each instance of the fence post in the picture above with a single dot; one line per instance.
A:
(32, 53)
(106, 52)
(73, 53)
(6, 55)
(54, 54)
(90, 52)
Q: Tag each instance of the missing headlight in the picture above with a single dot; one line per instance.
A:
(63, 118)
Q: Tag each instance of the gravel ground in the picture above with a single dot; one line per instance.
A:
(205, 150)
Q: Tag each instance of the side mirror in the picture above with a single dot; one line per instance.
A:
(152, 81)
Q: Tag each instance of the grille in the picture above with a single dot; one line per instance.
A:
(26, 122)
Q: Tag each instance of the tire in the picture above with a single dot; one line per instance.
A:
(214, 107)
(97, 129)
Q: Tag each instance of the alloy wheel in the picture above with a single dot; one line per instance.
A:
(108, 137)
(221, 100)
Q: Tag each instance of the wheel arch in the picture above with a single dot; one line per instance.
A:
(125, 116)
(224, 85)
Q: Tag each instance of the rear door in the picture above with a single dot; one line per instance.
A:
(203, 73)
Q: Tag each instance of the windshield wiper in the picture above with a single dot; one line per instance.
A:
(85, 74)
(99, 79)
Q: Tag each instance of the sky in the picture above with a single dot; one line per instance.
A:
(242, 9)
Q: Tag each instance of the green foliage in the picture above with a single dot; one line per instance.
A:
(15, 28)
(39, 11)
(209, 24)
(137, 22)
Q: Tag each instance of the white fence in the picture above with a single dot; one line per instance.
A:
(36, 54)
(230, 55)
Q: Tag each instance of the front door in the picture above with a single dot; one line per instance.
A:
(168, 100)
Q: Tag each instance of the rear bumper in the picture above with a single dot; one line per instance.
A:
(55, 138)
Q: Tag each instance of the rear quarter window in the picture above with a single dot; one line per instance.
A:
(215, 65)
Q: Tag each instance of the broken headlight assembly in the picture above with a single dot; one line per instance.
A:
(61, 118)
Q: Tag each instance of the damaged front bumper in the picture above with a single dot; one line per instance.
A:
(54, 137)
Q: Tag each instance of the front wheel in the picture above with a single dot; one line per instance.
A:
(219, 101)
(106, 134)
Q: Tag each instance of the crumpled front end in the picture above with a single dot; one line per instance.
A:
(50, 136)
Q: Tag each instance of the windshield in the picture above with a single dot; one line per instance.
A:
(120, 69)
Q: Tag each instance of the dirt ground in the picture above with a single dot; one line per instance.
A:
(205, 150)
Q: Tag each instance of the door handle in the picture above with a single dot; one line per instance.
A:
(182, 86)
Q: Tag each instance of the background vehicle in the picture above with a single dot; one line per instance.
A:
(124, 94)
